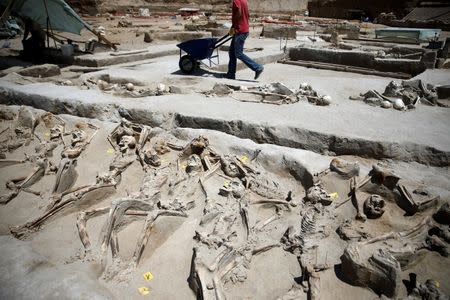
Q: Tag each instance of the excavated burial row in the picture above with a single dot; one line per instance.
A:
(164, 241)
(293, 137)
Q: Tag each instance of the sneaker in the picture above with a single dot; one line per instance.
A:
(229, 76)
(258, 73)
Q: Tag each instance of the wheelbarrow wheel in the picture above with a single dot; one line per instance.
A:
(188, 64)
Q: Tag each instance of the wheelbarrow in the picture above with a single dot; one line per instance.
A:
(198, 50)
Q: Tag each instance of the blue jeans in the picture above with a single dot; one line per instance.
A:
(237, 52)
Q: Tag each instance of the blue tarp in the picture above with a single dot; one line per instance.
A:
(61, 16)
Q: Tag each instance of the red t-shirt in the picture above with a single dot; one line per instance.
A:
(240, 16)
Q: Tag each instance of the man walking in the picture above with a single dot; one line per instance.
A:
(239, 31)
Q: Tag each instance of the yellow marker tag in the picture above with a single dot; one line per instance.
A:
(226, 184)
(47, 134)
(144, 291)
(110, 151)
(334, 195)
(148, 276)
(438, 284)
(244, 158)
(184, 166)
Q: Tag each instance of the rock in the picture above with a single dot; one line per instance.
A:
(6, 113)
(277, 30)
(399, 105)
(178, 90)
(386, 104)
(15, 69)
(45, 70)
(221, 89)
(279, 88)
(148, 38)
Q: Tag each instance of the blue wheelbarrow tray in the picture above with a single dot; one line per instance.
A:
(199, 49)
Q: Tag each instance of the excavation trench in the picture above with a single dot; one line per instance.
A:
(281, 135)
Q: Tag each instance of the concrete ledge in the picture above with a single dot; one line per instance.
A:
(181, 36)
(105, 59)
(262, 60)
(357, 59)
(172, 112)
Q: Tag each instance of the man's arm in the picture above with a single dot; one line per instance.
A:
(237, 12)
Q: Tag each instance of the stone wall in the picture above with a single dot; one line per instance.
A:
(278, 6)
(256, 6)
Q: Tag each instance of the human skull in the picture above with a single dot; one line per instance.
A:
(234, 188)
(105, 178)
(199, 144)
(194, 164)
(127, 142)
(56, 131)
(399, 104)
(229, 167)
(130, 87)
(374, 207)
(151, 158)
(78, 136)
(318, 194)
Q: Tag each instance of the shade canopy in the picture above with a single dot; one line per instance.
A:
(60, 15)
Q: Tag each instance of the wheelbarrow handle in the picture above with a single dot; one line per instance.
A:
(223, 40)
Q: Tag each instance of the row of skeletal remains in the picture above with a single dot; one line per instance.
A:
(22, 131)
(227, 238)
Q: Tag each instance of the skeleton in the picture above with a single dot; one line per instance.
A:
(257, 181)
(358, 204)
(378, 262)
(22, 183)
(79, 141)
(20, 132)
(65, 200)
(63, 195)
(55, 125)
(428, 290)
(317, 194)
(44, 150)
(386, 184)
(233, 253)
(150, 202)
(302, 243)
